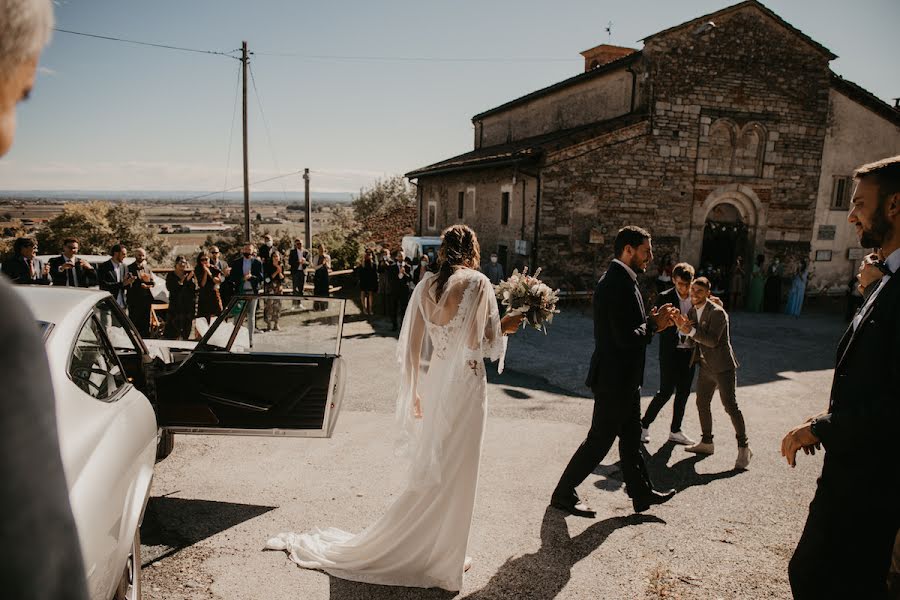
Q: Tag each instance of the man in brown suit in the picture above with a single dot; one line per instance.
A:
(707, 326)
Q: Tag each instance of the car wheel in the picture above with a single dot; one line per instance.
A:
(166, 445)
(129, 587)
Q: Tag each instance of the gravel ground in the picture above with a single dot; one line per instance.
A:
(724, 535)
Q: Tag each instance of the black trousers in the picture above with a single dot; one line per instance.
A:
(676, 374)
(846, 545)
(139, 313)
(617, 413)
(397, 304)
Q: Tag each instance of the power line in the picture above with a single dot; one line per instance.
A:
(238, 187)
(237, 88)
(266, 126)
(139, 43)
(435, 59)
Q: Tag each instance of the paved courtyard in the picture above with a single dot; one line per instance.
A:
(724, 535)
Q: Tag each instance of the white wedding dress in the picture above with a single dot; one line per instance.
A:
(421, 539)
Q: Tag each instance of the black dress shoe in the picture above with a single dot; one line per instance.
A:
(573, 507)
(643, 502)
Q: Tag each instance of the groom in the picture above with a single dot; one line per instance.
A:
(622, 330)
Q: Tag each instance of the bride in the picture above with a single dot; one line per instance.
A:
(451, 325)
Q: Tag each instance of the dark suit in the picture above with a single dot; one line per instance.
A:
(236, 277)
(621, 334)
(398, 278)
(298, 275)
(110, 282)
(718, 369)
(676, 372)
(77, 276)
(845, 549)
(18, 270)
(139, 299)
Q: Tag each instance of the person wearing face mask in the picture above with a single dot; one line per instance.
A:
(140, 294)
(420, 269)
(265, 251)
(494, 270)
(246, 272)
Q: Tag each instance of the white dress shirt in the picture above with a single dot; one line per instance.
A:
(699, 310)
(684, 304)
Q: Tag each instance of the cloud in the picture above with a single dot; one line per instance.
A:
(46, 71)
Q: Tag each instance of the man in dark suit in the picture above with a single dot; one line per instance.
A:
(266, 249)
(622, 330)
(298, 259)
(24, 268)
(69, 270)
(676, 372)
(140, 294)
(113, 276)
(246, 272)
(398, 276)
(706, 324)
(845, 548)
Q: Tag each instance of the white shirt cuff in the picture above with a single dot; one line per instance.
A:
(692, 332)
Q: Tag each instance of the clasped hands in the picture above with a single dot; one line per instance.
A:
(667, 316)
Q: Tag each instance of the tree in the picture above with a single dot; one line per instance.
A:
(385, 197)
(343, 241)
(99, 225)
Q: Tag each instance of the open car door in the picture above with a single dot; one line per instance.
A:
(248, 377)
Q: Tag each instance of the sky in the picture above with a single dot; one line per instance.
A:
(352, 90)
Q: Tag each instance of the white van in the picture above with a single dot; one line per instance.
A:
(415, 246)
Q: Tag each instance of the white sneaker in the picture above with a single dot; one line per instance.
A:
(743, 458)
(645, 435)
(679, 438)
(701, 448)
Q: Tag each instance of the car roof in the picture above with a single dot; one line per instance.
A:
(56, 304)
(94, 259)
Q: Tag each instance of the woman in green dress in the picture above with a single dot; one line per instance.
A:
(757, 286)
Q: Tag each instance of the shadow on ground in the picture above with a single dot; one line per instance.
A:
(541, 575)
(171, 524)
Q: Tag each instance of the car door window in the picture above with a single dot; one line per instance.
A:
(93, 366)
(279, 324)
(117, 331)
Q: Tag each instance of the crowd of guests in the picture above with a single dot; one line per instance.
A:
(197, 288)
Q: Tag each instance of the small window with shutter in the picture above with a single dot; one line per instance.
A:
(841, 193)
(504, 208)
(461, 205)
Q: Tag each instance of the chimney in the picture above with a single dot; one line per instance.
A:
(604, 54)
(897, 103)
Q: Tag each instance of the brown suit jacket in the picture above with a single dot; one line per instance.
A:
(712, 341)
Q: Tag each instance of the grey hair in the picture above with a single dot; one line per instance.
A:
(25, 27)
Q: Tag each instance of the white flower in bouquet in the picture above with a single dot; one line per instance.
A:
(524, 294)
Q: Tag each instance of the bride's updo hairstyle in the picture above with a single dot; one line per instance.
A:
(459, 248)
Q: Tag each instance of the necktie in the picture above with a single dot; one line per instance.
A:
(71, 275)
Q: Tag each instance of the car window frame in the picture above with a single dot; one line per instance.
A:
(126, 385)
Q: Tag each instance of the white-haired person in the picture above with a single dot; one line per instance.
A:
(39, 552)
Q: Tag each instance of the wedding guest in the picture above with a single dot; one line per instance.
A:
(494, 270)
(622, 330)
(420, 269)
(113, 276)
(24, 268)
(209, 279)
(798, 290)
(846, 545)
(706, 324)
(664, 274)
(40, 552)
(246, 272)
(274, 286)
(757, 285)
(737, 285)
(676, 371)
(298, 259)
(398, 276)
(182, 286)
(69, 270)
(367, 276)
(772, 291)
(384, 290)
(216, 260)
(265, 248)
(321, 278)
(139, 297)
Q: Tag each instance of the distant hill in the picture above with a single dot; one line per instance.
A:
(171, 196)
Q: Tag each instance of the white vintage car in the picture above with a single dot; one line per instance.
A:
(120, 399)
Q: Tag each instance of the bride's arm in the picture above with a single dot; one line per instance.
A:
(414, 354)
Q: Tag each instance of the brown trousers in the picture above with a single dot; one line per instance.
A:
(725, 382)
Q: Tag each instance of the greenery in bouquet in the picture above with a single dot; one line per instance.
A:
(527, 295)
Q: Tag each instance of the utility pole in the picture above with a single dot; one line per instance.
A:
(308, 235)
(245, 61)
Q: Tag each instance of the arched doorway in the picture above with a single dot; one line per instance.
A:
(725, 237)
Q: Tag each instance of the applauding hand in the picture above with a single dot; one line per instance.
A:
(663, 316)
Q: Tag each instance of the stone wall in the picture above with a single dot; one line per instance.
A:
(598, 98)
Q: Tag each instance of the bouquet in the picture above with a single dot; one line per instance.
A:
(524, 294)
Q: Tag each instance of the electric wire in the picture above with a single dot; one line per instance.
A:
(433, 59)
(266, 127)
(241, 186)
(237, 88)
(140, 43)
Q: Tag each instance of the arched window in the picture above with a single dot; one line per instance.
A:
(721, 148)
(748, 152)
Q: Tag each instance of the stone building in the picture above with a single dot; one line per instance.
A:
(725, 136)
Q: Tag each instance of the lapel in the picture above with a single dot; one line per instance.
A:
(850, 335)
